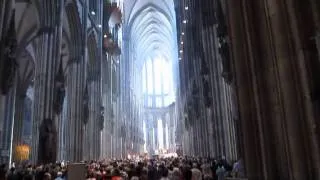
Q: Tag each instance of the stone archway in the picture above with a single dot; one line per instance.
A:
(21, 66)
(25, 78)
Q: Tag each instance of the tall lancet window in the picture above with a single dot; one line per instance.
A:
(157, 82)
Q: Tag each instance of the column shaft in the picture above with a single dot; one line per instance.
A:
(75, 111)
(164, 124)
(6, 135)
(155, 133)
(94, 115)
(18, 124)
(6, 7)
(44, 142)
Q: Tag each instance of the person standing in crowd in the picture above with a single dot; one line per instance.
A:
(196, 173)
(221, 172)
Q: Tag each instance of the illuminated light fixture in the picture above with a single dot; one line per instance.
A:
(99, 25)
(186, 8)
(105, 36)
(93, 13)
(184, 21)
(180, 59)
(181, 42)
(182, 33)
(181, 51)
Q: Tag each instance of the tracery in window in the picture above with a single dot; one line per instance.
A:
(157, 82)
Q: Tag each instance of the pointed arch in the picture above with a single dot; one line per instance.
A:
(152, 31)
(147, 6)
(75, 26)
(26, 61)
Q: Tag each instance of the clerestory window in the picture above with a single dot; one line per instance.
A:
(157, 83)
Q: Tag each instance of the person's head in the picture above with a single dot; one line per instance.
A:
(59, 174)
(47, 176)
(195, 165)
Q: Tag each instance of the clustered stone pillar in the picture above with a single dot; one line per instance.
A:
(117, 139)
(6, 7)
(18, 121)
(44, 131)
(275, 60)
(6, 23)
(155, 133)
(150, 140)
(222, 116)
(171, 131)
(63, 131)
(6, 141)
(164, 124)
(108, 107)
(115, 131)
(94, 115)
(75, 92)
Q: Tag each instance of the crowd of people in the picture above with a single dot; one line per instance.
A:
(178, 168)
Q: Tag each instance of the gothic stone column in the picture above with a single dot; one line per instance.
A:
(164, 124)
(150, 147)
(18, 121)
(246, 104)
(48, 44)
(271, 111)
(94, 115)
(155, 129)
(75, 96)
(6, 7)
(6, 134)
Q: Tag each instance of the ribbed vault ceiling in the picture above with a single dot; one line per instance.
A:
(151, 25)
